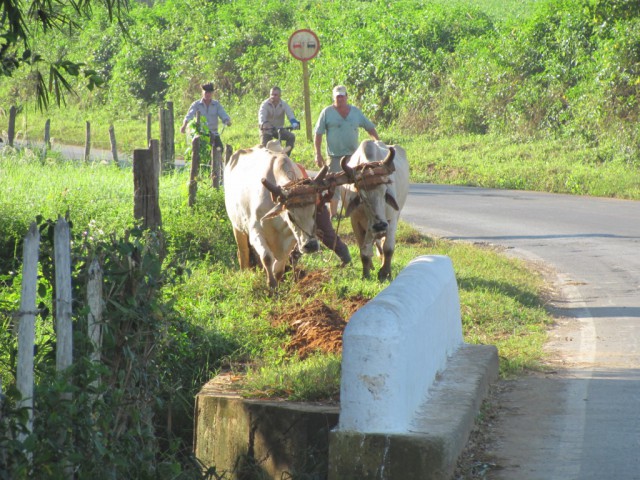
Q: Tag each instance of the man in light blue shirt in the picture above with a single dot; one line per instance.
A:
(340, 122)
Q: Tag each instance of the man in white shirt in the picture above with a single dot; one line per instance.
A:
(271, 120)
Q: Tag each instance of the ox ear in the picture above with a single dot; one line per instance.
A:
(274, 212)
(353, 204)
(390, 199)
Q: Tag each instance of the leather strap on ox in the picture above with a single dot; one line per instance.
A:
(298, 193)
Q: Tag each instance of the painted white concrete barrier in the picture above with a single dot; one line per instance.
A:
(396, 344)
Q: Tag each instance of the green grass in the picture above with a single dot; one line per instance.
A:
(500, 9)
(558, 166)
(313, 378)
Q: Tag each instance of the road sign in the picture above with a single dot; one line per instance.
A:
(304, 44)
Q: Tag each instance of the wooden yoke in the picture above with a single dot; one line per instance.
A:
(306, 191)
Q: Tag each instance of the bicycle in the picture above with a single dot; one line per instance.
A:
(279, 135)
(217, 165)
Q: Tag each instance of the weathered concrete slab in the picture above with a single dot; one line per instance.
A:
(429, 451)
(255, 439)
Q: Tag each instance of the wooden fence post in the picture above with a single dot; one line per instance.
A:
(87, 142)
(163, 141)
(195, 168)
(154, 146)
(64, 326)
(148, 128)
(11, 132)
(63, 309)
(171, 134)
(47, 139)
(26, 326)
(47, 134)
(145, 189)
(161, 134)
(114, 147)
(167, 148)
(215, 166)
(94, 300)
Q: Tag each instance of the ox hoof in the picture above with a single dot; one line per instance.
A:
(344, 263)
(311, 246)
(384, 276)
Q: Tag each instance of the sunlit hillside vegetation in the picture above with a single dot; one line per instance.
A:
(545, 69)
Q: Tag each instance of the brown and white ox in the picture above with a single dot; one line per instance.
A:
(379, 188)
(271, 208)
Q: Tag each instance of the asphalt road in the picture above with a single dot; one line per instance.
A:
(582, 419)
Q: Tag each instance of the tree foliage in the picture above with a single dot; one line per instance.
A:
(566, 68)
(20, 21)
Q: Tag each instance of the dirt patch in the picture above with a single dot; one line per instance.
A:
(316, 326)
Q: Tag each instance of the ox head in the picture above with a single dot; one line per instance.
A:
(371, 183)
(296, 204)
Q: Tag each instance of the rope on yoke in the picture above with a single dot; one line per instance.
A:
(366, 176)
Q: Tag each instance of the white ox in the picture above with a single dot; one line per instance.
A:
(374, 200)
(266, 216)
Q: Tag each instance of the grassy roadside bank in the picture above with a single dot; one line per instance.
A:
(202, 238)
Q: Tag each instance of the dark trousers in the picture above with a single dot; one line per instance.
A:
(216, 141)
(328, 236)
(286, 135)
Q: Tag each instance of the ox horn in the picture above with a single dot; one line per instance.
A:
(321, 174)
(388, 161)
(347, 169)
(276, 190)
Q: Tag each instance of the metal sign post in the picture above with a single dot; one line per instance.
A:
(304, 45)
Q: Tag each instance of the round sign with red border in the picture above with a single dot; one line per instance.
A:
(304, 44)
